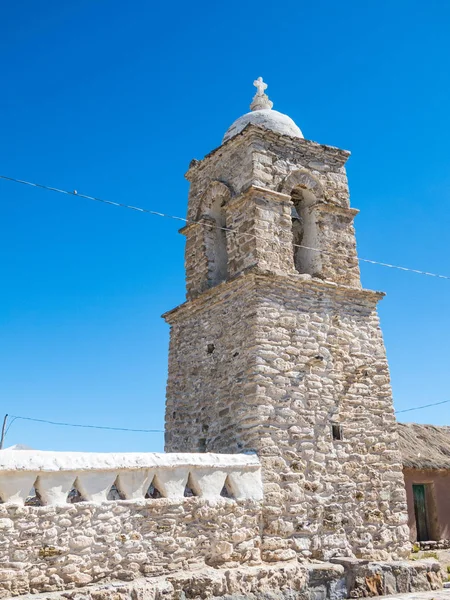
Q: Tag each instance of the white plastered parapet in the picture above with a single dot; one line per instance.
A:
(55, 474)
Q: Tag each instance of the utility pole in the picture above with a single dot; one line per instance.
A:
(2, 439)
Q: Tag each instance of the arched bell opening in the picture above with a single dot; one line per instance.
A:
(305, 238)
(211, 214)
(216, 244)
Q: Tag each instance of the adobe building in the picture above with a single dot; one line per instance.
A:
(426, 467)
(278, 350)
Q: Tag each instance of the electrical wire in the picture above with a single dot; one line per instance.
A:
(75, 193)
(11, 422)
(15, 417)
(419, 407)
(227, 229)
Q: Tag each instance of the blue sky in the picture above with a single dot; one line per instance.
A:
(114, 99)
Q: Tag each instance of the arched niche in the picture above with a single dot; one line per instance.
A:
(305, 192)
(215, 190)
(212, 214)
(302, 179)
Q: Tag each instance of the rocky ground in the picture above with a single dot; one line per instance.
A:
(443, 556)
(439, 595)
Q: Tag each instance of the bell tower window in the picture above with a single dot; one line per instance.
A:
(216, 244)
(305, 232)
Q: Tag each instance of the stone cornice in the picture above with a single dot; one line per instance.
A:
(201, 222)
(252, 131)
(253, 190)
(328, 207)
(252, 277)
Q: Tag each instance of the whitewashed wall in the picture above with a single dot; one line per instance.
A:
(53, 475)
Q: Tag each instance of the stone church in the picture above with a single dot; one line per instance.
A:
(278, 349)
(281, 439)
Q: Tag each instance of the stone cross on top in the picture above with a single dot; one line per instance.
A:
(260, 100)
(260, 85)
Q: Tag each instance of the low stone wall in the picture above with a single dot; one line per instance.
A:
(289, 581)
(61, 547)
(278, 581)
(71, 519)
(433, 545)
(199, 536)
(378, 578)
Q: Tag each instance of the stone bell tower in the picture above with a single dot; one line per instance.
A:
(278, 350)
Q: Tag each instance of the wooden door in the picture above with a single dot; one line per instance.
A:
(420, 510)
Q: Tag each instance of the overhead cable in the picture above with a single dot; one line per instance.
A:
(15, 417)
(419, 407)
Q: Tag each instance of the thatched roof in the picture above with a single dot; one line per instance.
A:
(424, 446)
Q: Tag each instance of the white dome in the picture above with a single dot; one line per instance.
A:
(267, 118)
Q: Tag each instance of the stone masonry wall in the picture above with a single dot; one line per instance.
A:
(61, 547)
(321, 363)
(209, 356)
(289, 358)
(282, 581)
(260, 234)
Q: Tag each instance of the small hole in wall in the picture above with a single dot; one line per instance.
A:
(336, 431)
(210, 348)
(153, 492)
(188, 492)
(33, 498)
(115, 494)
(74, 496)
(189, 489)
(226, 490)
(235, 354)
